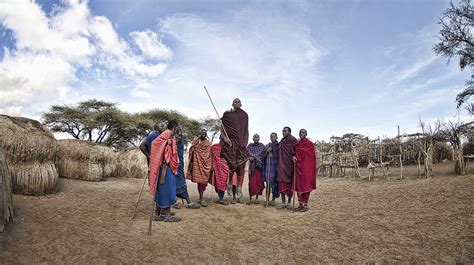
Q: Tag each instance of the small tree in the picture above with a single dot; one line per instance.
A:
(454, 132)
(431, 133)
(456, 40)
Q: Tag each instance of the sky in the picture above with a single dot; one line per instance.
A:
(329, 66)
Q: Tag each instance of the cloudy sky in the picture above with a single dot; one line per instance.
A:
(332, 67)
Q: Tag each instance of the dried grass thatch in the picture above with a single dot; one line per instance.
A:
(84, 160)
(131, 163)
(30, 150)
(6, 200)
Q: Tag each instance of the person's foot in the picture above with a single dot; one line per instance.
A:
(305, 208)
(289, 206)
(203, 203)
(158, 217)
(193, 206)
(239, 190)
(256, 202)
(222, 202)
(249, 202)
(272, 203)
(170, 218)
(298, 209)
(176, 206)
(282, 206)
(234, 201)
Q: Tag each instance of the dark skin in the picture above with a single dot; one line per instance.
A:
(236, 104)
(202, 137)
(256, 140)
(303, 134)
(286, 132)
(274, 139)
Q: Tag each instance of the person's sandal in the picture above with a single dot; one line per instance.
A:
(193, 206)
(158, 217)
(222, 202)
(282, 206)
(170, 218)
(305, 208)
(299, 208)
(256, 202)
(203, 203)
(176, 206)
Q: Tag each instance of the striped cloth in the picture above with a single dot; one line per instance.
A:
(199, 167)
(221, 171)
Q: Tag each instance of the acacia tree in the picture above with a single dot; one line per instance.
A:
(89, 120)
(456, 40)
(213, 126)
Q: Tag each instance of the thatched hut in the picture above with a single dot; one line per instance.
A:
(131, 163)
(78, 159)
(30, 150)
(6, 200)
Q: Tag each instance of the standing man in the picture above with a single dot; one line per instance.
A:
(164, 163)
(181, 188)
(199, 167)
(256, 185)
(145, 145)
(286, 167)
(305, 159)
(270, 167)
(220, 172)
(234, 148)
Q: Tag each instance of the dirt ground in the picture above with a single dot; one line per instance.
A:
(350, 220)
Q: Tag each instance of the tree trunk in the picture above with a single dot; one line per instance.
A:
(429, 161)
(459, 163)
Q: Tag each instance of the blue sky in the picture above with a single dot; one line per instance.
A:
(331, 67)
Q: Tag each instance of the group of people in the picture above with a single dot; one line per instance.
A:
(283, 167)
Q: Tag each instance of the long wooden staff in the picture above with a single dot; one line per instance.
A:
(217, 113)
(268, 178)
(139, 196)
(294, 184)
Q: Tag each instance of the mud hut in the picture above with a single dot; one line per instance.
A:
(78, 159)
(131, 163)
(30, 150)
(6, 200)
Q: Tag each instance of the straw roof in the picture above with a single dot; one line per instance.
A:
(78, 159)
(6, 201)
(131, 163)
(30, 150)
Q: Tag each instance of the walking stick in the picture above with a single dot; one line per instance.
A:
(139, 196)
(294, 185)
(218, 117)
(153, 203)
(268, 178)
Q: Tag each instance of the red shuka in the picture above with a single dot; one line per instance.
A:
(305, 166)
(163, 149)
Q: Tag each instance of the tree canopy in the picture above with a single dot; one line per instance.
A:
(456, 40)
(102, 122)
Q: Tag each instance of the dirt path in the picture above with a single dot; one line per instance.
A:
(350, 220)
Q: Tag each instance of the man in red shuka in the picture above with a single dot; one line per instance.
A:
(306, 173)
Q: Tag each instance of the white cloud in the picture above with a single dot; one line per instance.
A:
(49, 51)
(150, 46)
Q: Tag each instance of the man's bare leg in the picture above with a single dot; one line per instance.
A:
(283, 202)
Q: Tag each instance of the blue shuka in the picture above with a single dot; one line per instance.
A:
(149, 140)
(273, 167)
(181, 189)
(166, 192)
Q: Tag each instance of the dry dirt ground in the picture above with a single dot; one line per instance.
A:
(415, 220)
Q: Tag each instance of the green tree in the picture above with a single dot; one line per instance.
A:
(89, 120)
(456, 40)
